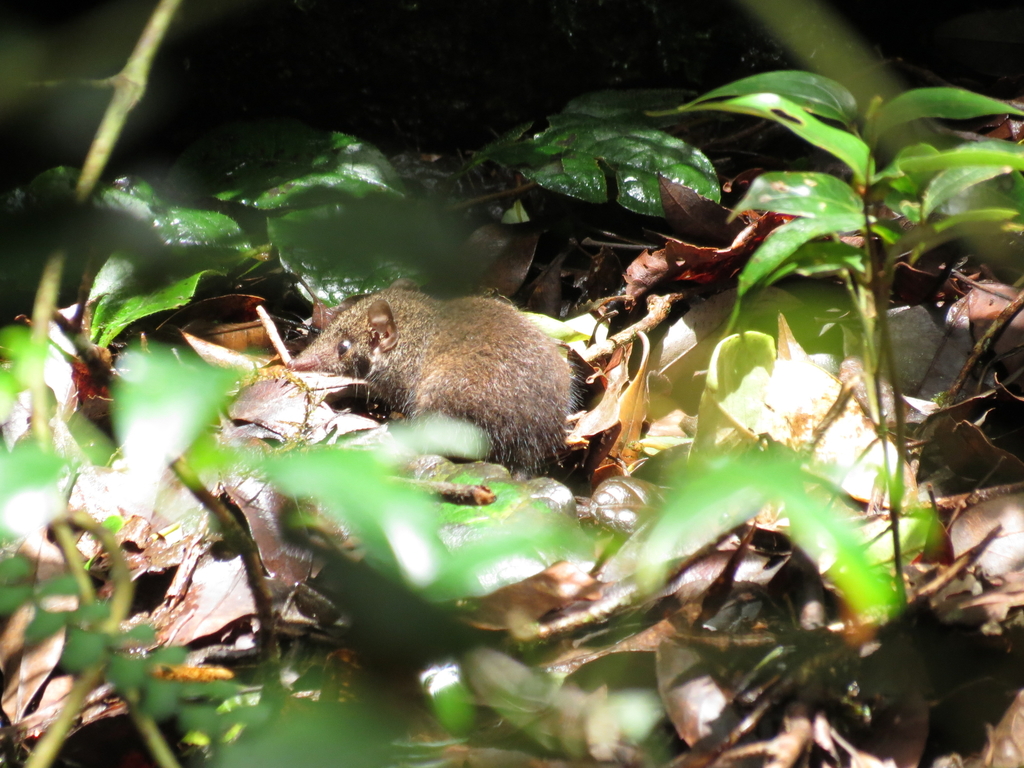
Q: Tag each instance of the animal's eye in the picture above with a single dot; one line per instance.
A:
(344, 346)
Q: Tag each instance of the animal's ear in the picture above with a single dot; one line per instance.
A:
(323, 315)
(383, 331)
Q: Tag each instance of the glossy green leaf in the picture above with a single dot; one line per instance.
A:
(448, 697)
(118, 302)
(1002, 190)
(492, 548)
(162, 404)
(970, 223)
(784, 241)
(770, 106)
(802, 194)
(946, 103)
(176, 225)
(578, 152)
(30, 489)
(992, 152)
(272, 163)
(575, 176)
(818, 95)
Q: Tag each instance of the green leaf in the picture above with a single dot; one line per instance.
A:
(633, 106)
(15, 570)
(971, 223)
(902, 194)
(27, 357)
(393, 522)
(1002, 190)
(982, 216)
(44, 624)
(448, 697)
(801, 194)
(350, 248)
(160, 698)
(272, 163)
(161, 404)
(575, 176)
(118, 305)
(577, 152)
(770, 106)
(819, 258)
(814, 93)
(128, 673)
(733, 490)
(12, 598)
(992, 152)
(784, 241)
(733, 398)
(30, 484)
(946, 103)
(177, 226)
(82, 649)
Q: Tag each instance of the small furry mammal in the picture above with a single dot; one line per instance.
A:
(474, 359)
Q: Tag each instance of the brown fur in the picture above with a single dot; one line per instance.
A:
(475, 359)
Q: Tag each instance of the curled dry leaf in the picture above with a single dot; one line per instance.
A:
(699, 264)
(695, 218)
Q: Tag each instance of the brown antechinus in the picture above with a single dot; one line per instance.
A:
(474, 359)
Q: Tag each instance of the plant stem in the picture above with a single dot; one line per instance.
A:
(66, 542)
(48, 747)
(882, 367)
(42, 311)
(120, 574)
(153, 737)
(243, 544)
(129, 87)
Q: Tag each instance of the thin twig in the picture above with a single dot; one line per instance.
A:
(514, 192)
(273, 335)
(991, 335)
(658, 308)
(243, 544)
